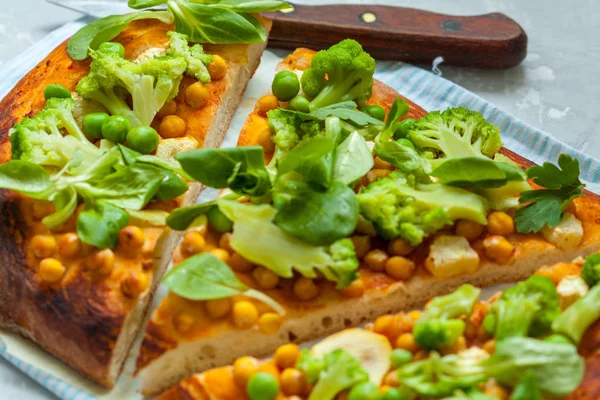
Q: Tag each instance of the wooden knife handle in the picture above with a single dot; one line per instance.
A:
(394, 33)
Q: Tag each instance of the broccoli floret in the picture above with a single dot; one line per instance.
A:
(52, 136)
(289, 129)
(591, 270)
(344, 72)
(150, 83)
(399, 207)
(196, 58)
(526, 309)
(336, 371)
(438, 326)
(575, 320)
(456, 132)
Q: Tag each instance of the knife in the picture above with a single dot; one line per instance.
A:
(492, 41)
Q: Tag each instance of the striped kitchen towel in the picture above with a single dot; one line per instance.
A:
(423, 87)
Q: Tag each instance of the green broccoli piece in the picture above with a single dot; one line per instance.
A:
(526, 309)
(438, 326)
(591, 270)
(456, 132)
(197, 59)
(335, 372)
(150, 83)
(576, 319)
(399, 207)
(52, 137)
(289, 129)
(344, 72)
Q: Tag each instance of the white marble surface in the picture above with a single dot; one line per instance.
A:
(555, 89)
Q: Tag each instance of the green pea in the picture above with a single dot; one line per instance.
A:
(393, 394)
(401, 128)
(400, 357)
(143, 139)
(262, 386)
(558, 338)
(374, 111)
(92, 124)
(286, 85)
(407, 143)
(365, 391)
(112, 47)
(172, 186)
(56, 90)
(218, 220)
(115, 129)
(300, 103)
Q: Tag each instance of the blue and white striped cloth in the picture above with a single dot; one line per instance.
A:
(424, 88)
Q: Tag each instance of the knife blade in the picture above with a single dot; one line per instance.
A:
(492, 41)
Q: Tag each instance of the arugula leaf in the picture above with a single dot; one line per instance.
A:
(312, 158)
(477, 172)
(182, 218)
(24, 177)
(105, 29)
(242, 169)
(353, 159)
(99, 224)
(205, 277)
(314, 216)
(547, 205)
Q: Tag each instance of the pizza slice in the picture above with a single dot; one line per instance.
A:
(84, 242)
(535, 340)
(335, 215)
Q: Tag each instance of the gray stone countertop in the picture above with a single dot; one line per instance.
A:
(555, 89)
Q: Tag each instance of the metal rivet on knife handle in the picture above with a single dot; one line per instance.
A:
(368, 17)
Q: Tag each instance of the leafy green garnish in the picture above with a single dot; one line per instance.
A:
(312, 158)
(346, 111)
(182, 218)
(100, 223)
(205, 277)
(353, 159)
(477, 172)
(24, 177)
(547, 205)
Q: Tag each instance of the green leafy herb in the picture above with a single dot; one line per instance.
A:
(99, 224)
(527, 388)
(547, 205)
(312, 158)
(353, 159)
(149, 217)
(477, 172)
(182, 218)
(24, 177)
(65, 203)
(205, 277)
(315, 216)
(141, 4)
(346, 111)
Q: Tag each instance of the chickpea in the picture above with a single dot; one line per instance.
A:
(305, 289)
(399, 267)
(461, 344)
(193, 243)
(355, 289)
(269, 323)
(102, 261)
(292, 381)
(244, 368)
(134, 284)
(51, 270)
(225, 242)
(376, 260)
(498, 248)
(245, 314)
(171, 127)
(286, 355)
(468, 229)
(376, 174)
(132, 237)
(265, 278)
(400, 247)
(169, 108)
(217, 68)
(218, 308)
(196, 95)
(269, 367)
(264, 137)
(266, 104)
(383, 324)
(221, 254)
(43, 246)
(493, 389)
(391, 379)
(381, 164)
(500, 223)
(183, 322)
(490, 346)
(362, 245)
(414, 314)
(406, 341)
(69, 245)
(239, 264)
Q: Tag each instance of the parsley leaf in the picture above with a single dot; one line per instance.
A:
(547, 205)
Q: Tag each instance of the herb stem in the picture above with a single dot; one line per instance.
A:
(255, 294)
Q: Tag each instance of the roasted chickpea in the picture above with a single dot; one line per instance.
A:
(269, 323)
(376, 174)
(239, 264)
(399, 267)
(244, 368)
(498, 248)
(171, 127)
(102, 261)
(217, 68)
(196, 95)
(355, 289)
(383, 324)
(362, 245)
(500, 223)
(286, 355)
(265, 278)
(43, 246)
(134, 284)
(218, 308)
(493, 389)
(468, 229)
(381, 164)
(69, 245)
(414, 314)
(221, 254)
(266, 104)
(406, 341)
(193, 243)
(245, 314)
(305, 289)
(51, 270)
(183, 322)
(224, 242)
(490, 346)
(400, 247)
(376, 259)
(132, 237)
(292, 381)
(169, 108)
(391, 378)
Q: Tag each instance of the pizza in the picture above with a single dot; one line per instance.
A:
(81, 261)
(332, 216)
(538, 339)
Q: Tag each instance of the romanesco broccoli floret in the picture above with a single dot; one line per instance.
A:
(197, 59)
(289, 129)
